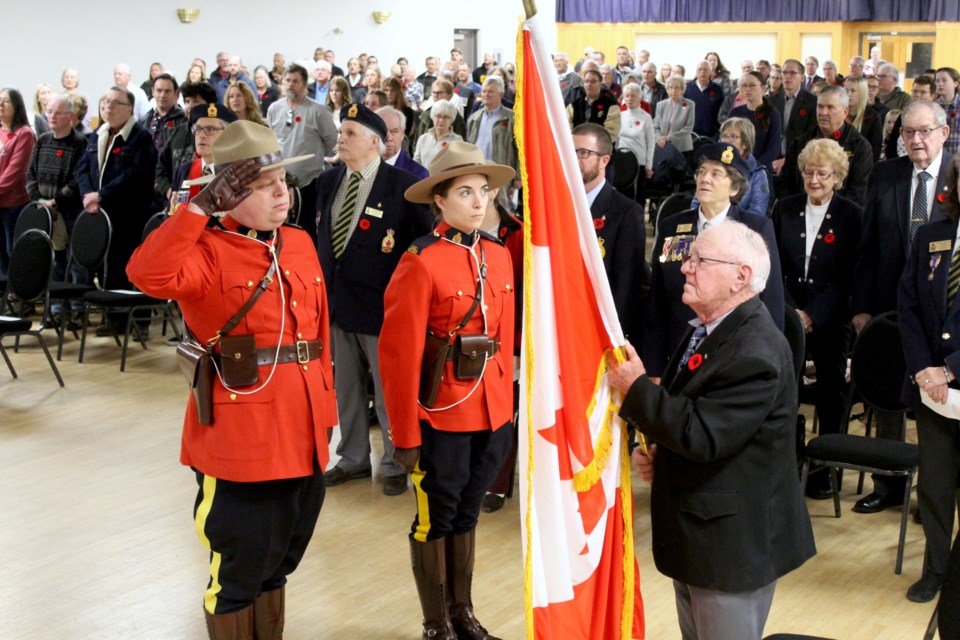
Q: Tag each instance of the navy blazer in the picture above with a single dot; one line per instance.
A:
(929, 330)
(667, 317)
(824, 291)
(859, 155)
(726, 509)
(407, 163)
(885, 241)
(620, 226)
(803, 116)
(357, 280)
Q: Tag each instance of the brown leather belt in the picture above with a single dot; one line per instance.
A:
(301, 352)
(492, 347)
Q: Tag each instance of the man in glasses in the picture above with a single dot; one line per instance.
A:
(891, 96)
(179, 146)
(303, 126)
(798, 108)
(727, 514)
(207, 122)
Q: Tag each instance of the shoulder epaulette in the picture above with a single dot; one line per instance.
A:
(417, 246)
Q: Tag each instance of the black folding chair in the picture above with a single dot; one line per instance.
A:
(672, 204)
(28, 278)
(877, 370)
(295, 205)
(33, 216)
(626, 169)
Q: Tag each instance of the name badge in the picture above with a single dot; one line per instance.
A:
(940, 245)
(684, 228)
(375, 213)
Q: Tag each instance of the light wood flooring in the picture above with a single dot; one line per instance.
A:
(97, 539)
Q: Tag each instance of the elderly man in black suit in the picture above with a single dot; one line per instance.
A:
(799, 111)
(618, 221)
(721, 181)
(728, 516)
(364, 225)
(902, 195)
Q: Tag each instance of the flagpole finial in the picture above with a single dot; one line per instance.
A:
(530, 7)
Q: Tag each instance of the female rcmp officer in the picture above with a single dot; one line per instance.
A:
(259, 461)
(452, 289)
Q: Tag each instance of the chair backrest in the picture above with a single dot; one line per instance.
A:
(155, 221)
(674, 203)
(33, 216)
(31, 266)
(625, 169)
(295, 204)
(90, 241)
(877, 365)
(793, 332)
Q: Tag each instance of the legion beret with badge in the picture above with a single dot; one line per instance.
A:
(212, 110)
(363, 115)
(725, 154)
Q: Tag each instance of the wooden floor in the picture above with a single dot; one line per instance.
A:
(97, 539)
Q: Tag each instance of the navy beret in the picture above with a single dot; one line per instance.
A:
(725, 154)
(212, 110)
(363, 115)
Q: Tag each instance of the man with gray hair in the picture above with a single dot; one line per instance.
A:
(891, 96)
(652, 90)
(121, 78)
(568, 78)
(727, 513)
(491, 126)
(394, 153)
(320, 87)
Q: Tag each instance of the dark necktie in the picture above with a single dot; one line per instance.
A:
(207, 170)
(698, 335)
(338, 237)
(918, 214)
(953, 279)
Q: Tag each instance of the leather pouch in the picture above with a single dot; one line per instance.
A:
(196, 365)
(436, 352)
(238, 360)
(470, 355)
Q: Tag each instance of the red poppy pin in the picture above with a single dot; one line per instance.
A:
(456, 90)
(710, 94)
(694, 362)
(599, 223)
(59, 153)
(364, 224)
(297, 119)
(116, 150)
(683, 105)
(503, 232)
(504, 124)
(836, 134)
(940, 196)
(636, 123)
(443, 144)
(829, 238)
(802, 112)
(169, 124)
(563, 85)
(759, 116)
(599, 107)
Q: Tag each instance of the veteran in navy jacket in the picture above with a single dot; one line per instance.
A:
(720, 182)
(364, 225)
(115, 174)
(928, 312)
(727, 514)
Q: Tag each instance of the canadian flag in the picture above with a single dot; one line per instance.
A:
(581, 576)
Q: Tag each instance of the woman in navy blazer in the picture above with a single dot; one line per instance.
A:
(817, 237)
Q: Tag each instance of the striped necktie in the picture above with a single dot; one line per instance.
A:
(953, 279)
(338, 238)
(919, 212)
(698, 335)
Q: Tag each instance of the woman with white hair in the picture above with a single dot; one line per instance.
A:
(636, 134)
(675, 117)
(442, 113)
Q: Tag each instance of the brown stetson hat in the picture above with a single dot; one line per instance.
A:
(458, 159)
(243, 140)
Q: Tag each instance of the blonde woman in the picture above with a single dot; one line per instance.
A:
(243, 102)
(863, 115)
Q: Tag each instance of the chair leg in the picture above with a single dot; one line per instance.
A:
(804, 474)
(83, 332)
(903, 522)
(46, 352)
(835, 486)
(6, 359)
(932, 627)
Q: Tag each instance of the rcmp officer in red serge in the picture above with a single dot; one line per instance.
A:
(207, 122)
(259, 463)
(363, 227)
(451, 422)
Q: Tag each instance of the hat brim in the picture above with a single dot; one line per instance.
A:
(497, 176)
(276, 165)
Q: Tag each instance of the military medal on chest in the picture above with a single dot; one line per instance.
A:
(389, 242)
(603, 250)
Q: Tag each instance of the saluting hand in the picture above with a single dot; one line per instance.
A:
(228, 188)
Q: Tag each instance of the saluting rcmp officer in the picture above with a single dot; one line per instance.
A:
(259, 463)
(363, 227)
(207, 122)
(721, 181)
(452, 428)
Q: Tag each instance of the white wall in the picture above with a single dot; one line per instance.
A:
(690, 48)
(93, 38)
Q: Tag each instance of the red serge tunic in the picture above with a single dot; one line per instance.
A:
(281, 430)
(432, 290)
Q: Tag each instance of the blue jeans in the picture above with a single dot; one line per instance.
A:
(8, 220)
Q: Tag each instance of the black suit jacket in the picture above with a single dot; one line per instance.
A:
(357, 280)
(803, 116)
(885, 241)
(929, 329)
(659, 93)
(824, 291)
(726, 507)
(620, 227)
(667, 317)
(859, 155)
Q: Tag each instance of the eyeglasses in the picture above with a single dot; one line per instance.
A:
(883, 75)
(791, 73)
(289, 118)
(583, 154)
(695, 260)
(729, 137)
(819, 175)
(197, 130)
(924, 133)
(113, 104)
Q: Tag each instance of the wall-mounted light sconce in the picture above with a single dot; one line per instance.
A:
(187, 15)
(381, 16)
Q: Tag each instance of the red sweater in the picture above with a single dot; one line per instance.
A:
(16, 147)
